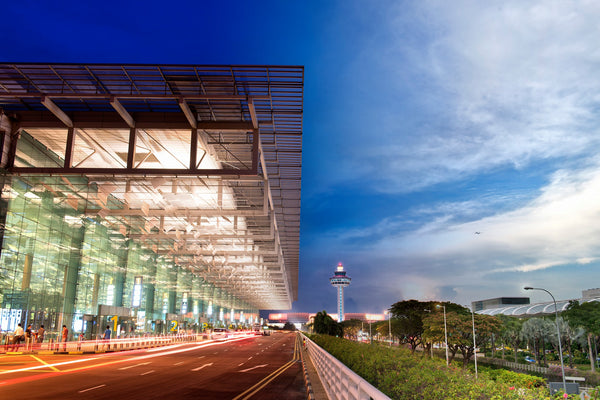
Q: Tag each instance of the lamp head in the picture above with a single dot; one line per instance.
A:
(528, 288)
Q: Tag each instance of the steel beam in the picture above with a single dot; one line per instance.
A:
(116, 104)
(54, 109)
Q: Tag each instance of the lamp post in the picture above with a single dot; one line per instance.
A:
(445, 333)
(474, 342)
(562, 365)
(389, 325)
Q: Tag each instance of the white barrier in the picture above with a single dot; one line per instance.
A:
(339, 381)
(91, 346)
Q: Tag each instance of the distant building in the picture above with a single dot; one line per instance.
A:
(304, 318)
(498, 302)
(530, 310)
(590, 294)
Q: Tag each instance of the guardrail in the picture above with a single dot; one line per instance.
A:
(339, 381)
(92, 346)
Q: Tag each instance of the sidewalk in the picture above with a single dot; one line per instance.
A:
(318, 391)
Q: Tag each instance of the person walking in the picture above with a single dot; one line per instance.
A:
(106, 336)
(41, 332)
(28, 338)
(18, 335)
(65, 336)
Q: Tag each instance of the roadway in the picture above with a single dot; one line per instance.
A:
(258, 367)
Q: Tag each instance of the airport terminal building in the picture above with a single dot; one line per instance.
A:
(154, 197)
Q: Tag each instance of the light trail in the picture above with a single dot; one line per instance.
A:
(92, 388)
(89, 359)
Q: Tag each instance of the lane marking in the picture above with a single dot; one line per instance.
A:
(46, 364)
(146, 373)
(251, 368)
(249, 358)
(49, 374)
(204, 366)
(179, 363)
(201, 356)
(92, 388)
(239, 365)
(248, 393)
(133, 366)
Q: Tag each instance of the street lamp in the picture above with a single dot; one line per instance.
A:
(389, 325)
(445, 332)
(474, 341)
(562, 365)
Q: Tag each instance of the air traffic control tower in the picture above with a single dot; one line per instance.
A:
(340, 280)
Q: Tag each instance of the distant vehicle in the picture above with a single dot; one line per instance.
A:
(220, 334)
(529, 359)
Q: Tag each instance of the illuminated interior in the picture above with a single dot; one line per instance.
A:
(164, 192)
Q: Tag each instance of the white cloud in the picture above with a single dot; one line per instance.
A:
(558, 229)
(503, 83)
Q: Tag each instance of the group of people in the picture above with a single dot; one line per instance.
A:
(29, 336)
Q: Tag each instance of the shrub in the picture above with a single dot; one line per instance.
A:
(402, 375)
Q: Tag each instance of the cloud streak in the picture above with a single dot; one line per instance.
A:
(559, 228)
(501, 85)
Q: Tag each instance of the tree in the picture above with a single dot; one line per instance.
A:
(510, 332)
(535, 331)
(586, 316)
(459, 327)
(569, 335)
(288, 326)
(351, 327)
(408, 315)
(324, 324)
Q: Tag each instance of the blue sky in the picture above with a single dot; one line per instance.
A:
(424, 122)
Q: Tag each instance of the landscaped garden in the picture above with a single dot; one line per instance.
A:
(400, 374)
(506, 347)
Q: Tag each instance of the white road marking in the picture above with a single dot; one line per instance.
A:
(201, 356)
(239, 365)
(146, 373)
(204, 366)
(179, 363)
(133, 366)
(249, 357)
(256, 366)
(92, 388)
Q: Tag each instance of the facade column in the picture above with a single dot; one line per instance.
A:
(71, 278)
(122, 257)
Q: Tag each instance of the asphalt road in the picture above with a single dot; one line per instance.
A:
(259, 367)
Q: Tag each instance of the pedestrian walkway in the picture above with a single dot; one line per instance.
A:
(315, 388)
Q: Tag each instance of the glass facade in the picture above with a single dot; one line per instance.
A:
(60, 264)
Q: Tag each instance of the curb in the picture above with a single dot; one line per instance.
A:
(309, 390)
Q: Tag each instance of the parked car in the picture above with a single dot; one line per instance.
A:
(529, 359)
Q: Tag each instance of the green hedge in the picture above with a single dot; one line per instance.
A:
(402, 375)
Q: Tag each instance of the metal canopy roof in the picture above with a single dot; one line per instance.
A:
(229, 137)
(536, 309)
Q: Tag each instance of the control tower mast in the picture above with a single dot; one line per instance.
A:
(340, 280)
